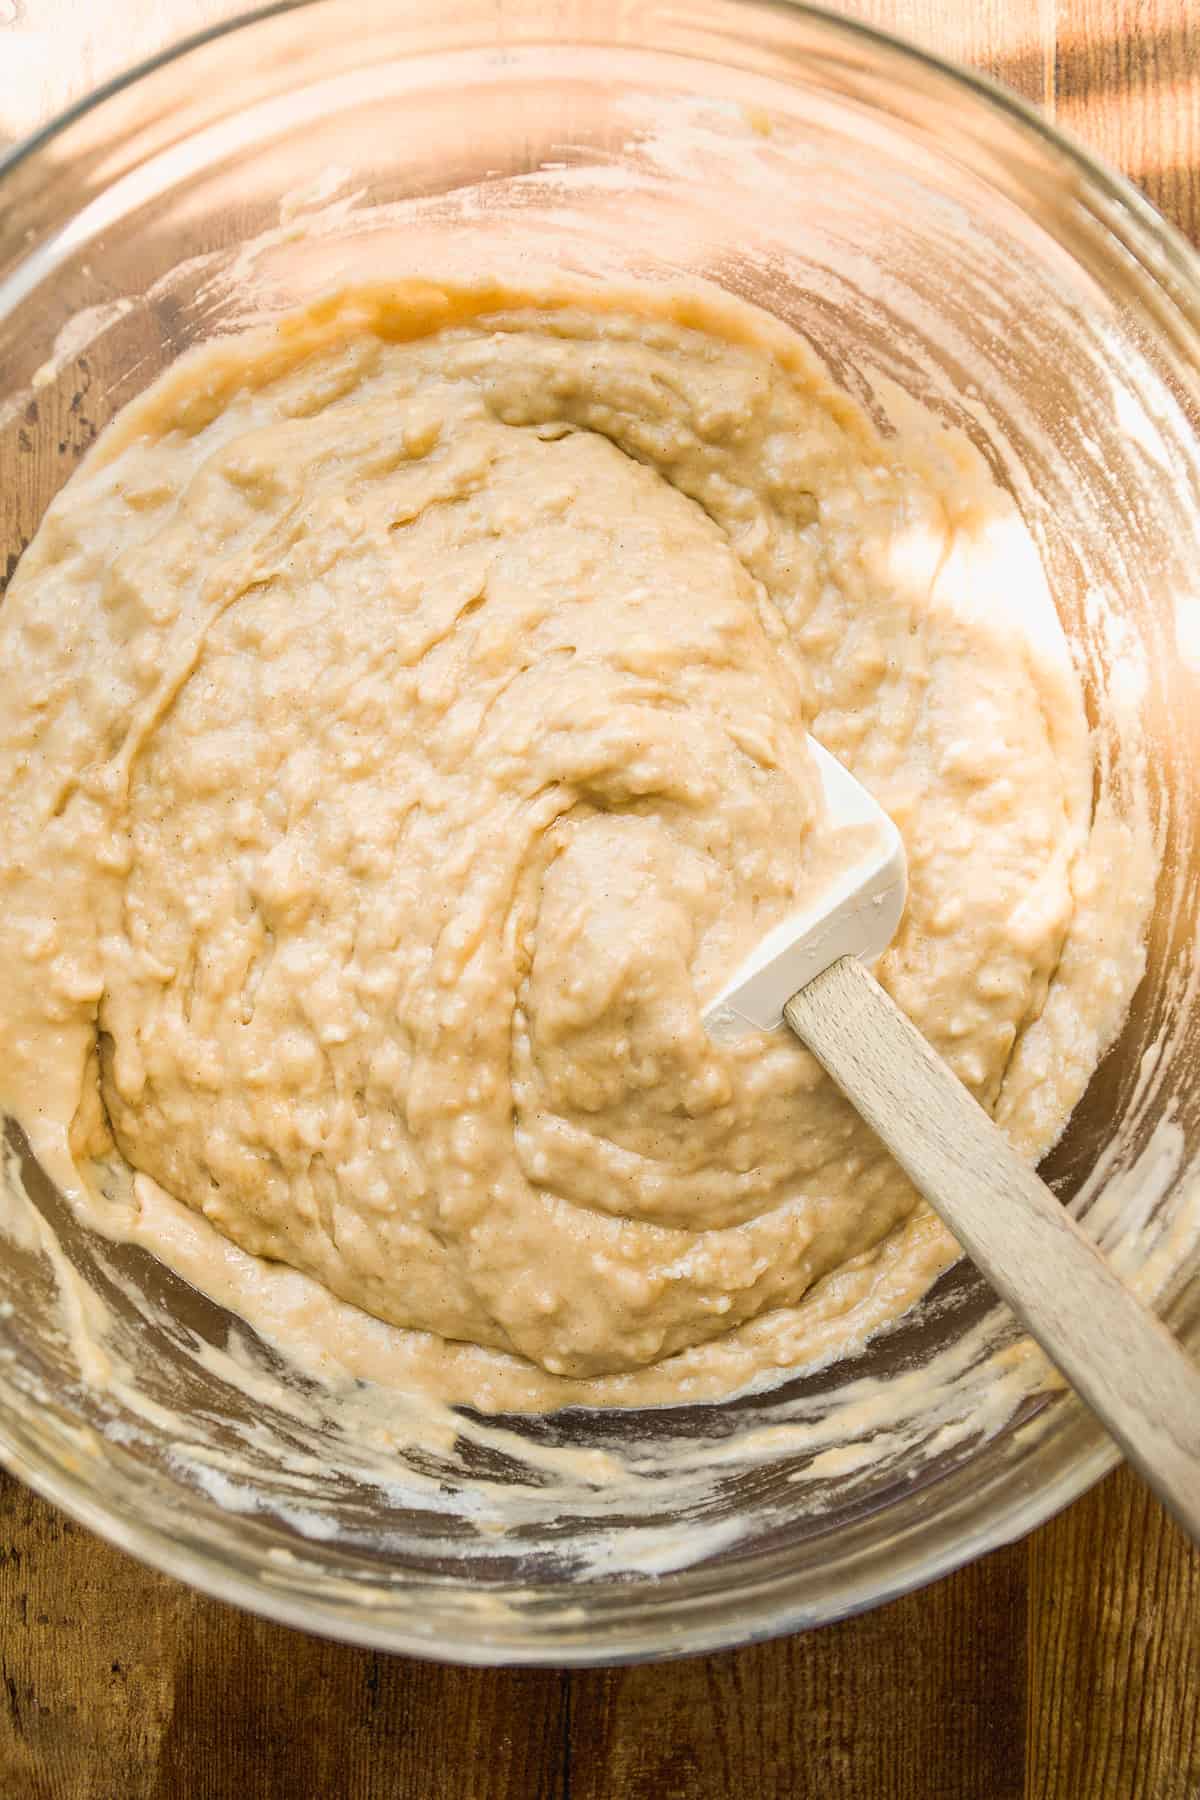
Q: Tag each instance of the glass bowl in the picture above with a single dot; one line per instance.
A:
(917, 226)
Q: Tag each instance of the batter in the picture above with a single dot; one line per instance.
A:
(402, 737)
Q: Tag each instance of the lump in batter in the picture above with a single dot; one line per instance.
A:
(403, 736)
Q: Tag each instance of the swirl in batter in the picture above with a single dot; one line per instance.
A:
(402, 735)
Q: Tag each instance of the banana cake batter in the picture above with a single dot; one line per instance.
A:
(403, 723)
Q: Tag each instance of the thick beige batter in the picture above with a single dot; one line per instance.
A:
(402, 734)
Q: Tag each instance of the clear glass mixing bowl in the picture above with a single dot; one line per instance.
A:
(913, 223)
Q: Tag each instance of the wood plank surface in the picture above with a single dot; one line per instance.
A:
(1063, 1668)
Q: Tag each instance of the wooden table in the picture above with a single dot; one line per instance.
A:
(1063, 1668)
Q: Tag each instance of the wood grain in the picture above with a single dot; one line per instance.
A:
(912, 1702)
(117, 1683)
(1064, 1668)
(1127, 81)
(1114, 1651)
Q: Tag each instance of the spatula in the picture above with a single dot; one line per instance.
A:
(811, 972)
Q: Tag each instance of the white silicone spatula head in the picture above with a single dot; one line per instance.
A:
(856, 915)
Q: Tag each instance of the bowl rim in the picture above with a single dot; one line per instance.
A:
(1176, 267)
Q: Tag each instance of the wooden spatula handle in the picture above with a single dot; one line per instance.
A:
(1113, 1351)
